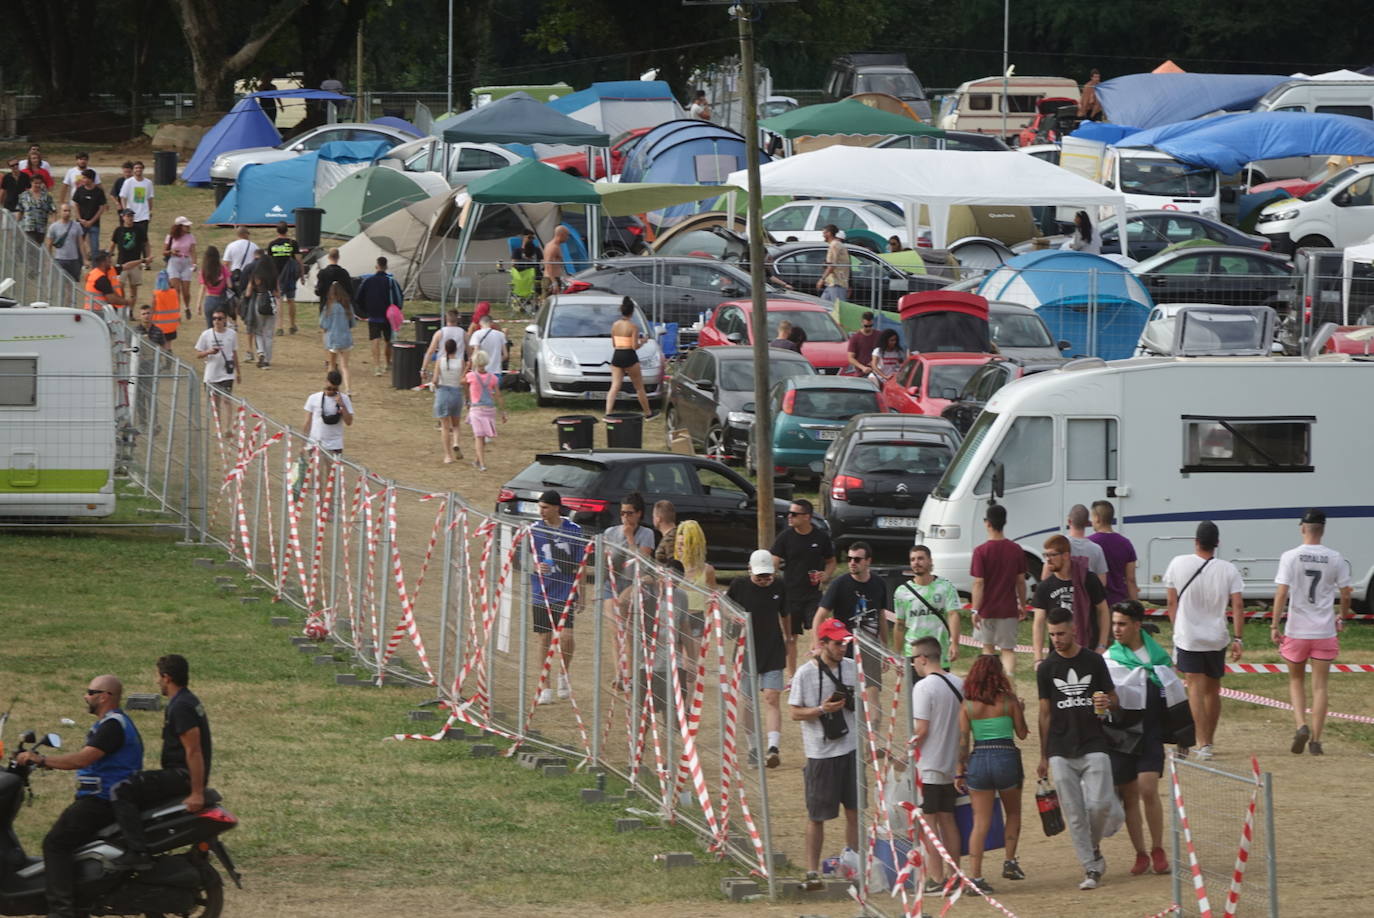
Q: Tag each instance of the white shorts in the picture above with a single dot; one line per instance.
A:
(999, 632)
(179, 267)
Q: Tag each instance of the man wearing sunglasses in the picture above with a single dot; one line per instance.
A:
(807, 558)
(860, 601)
(112, 752)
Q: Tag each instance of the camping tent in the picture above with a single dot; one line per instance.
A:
(622, 105)
(844, 117)
(1226, 143)
(246, 125)
(1095, 304)
(518, 118)
(686, 152)
(1151, 99)
(370, 194)
(268, 193)
(936, 178)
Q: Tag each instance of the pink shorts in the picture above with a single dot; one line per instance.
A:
(1300, 650)
(483, 421)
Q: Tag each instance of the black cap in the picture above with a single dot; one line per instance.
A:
(552, 498)
(1208, 534)
(1315, 517)
(99, 255)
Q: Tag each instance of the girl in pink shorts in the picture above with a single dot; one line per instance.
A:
(484, 397)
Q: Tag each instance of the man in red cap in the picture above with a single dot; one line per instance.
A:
(822, 701)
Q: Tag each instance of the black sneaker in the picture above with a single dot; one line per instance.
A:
(773, 760)
(1300, 738)
(1011, 870)
(813, 882)
(982, 885)
(935, 887)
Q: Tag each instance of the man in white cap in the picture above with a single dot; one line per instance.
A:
(763, 597)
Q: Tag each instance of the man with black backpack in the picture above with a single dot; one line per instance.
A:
(927, 606)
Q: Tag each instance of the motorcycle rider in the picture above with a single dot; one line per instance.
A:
(185, 761)
(113, 751)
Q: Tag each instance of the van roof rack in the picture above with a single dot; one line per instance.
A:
(1084, 363)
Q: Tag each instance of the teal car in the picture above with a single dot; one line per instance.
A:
(808, 414)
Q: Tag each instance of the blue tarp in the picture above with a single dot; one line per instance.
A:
(616, 89)
(399, 124)
(300, 94)
(269, 193)
(246, 125)
(1092, 302)
(1103, 132)
(1228, 142)
(686, 152)
(1150, 99)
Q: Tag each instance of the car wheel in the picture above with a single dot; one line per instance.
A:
(671, 422)
(538, 388)
(715, 443)
(1034, 566)
(1314, 242)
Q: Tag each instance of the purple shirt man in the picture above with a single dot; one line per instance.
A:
(1117, 549)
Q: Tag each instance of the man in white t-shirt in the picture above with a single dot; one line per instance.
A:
(137, 194)
(1200, 587)
(935, 702)
(327, 413)
(451, 331)
(218, 346)
(1080, 546)
(72, 180)
(1308, 580)
(491, 340)
(240, 253)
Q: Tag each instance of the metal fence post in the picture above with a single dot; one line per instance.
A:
(445, 593)
(1271, 847)
(598, 633)
(760, 740)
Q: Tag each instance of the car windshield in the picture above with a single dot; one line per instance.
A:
(571, 475)
(834, 404)
(587, 320)
(948, 381)
(815, 322)
(899, 458)
(900, 83)
(738, 375)
(1166, 177)
(1019, 331)
(963, 459)
(883, 215)
(1330, 185)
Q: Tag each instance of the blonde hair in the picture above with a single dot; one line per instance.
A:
(690, 547)
(480, 360)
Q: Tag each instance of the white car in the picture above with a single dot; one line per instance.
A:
(467, 162)
(1337, 213)
(567, 349)
(806, 218)
(225, 169)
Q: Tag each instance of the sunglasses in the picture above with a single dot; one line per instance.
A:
(218, 318)
(855, 558)
(96, 691)
(797, 513)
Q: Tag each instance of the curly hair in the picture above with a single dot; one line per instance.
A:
(986, 681)
(691, 545)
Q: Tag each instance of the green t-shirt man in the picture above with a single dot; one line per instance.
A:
(930, 618)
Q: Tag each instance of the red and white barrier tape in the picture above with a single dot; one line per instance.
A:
(407, 625)
(1199, 884)
(687, 728)
(1247, 834)
(1267, 702)
(1284, 667)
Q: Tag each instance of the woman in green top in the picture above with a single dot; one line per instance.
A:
(993, 717)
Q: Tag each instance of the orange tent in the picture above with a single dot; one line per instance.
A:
(1168, 67)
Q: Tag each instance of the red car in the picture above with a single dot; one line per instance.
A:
(576, 163)
(826, 347)
(926, 383)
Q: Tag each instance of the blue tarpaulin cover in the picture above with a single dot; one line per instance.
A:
(1226, 143)
(269, 193)
(1150, 99)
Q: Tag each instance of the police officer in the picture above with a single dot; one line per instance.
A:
(113, 751)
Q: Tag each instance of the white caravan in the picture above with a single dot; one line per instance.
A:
(1247, 442)
(57, 413)
(1149, 178)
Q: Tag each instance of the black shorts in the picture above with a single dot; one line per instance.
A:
(1210, 663)
(829, 784)
(624, 358)
(938, 798)
(377, 330)
(225, 385)
(802, 613)
(1125, 767)
(543, 622)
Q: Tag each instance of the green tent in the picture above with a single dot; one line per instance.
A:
(844, 117)
(623, 198)
(531, 182)
(365, 197)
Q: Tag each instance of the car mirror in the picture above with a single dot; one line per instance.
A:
(734, 337)
(531, 329)
(1342, 199)
(705, 385)
(898, 285)
(1228, 195)
(732, 291)
(950, 393)
(913, 390)
(999, 479)
(298, 148)
(1063, 345)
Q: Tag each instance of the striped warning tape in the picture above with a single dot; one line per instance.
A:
(1238, 668)
(1267, 702)
(1247, 834)
(1199, 885)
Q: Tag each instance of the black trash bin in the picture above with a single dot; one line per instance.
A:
(425, 328)
(165, 167)
(575, 431)
(308, 227)
(406, 357)
(625, 430)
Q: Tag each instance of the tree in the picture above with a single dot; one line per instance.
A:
(202, 22)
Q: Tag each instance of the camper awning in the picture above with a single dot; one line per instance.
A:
(519, 118)
(1150, 99)
(620, 199)
(1226, 143)
(844, 117)
(531, 182)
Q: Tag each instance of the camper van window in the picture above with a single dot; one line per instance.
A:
(1022, 104)
(979, 102)
(1354, 111)
(1092, 449)
(18, 382)
(1215, 444)
(959, 465)
(1026, 452)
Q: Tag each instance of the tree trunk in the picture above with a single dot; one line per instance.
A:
(201, 22)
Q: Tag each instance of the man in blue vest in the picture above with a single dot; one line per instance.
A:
(112, 752)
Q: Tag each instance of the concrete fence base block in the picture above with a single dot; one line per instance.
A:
(228, 587)
(248, 600)
(631, 794)
(555, 771)
(300, 639)
(279, 621)
(736, 888)
(203, 562)
(592, 795)
(346, 679)
(308, 648)
(456, 734)
(420, 715)
(226, 580)
(676, 859)
(629, 825)
(483, 751)
(324, 659)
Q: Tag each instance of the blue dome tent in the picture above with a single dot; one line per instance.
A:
(686, 152)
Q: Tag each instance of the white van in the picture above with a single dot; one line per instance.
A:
(1150, 179)
(1247, 442)
(1332, 97)
(57, 413)
(1337, 213)
(978, 105)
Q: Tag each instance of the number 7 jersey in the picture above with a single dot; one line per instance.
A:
(1314, 574)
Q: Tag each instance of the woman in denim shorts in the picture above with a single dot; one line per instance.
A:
(993, 717)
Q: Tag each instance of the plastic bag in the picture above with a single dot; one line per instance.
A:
(163, 281)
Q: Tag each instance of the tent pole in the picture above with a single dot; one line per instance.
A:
(464, 238)
(448, 94)
(593, 233)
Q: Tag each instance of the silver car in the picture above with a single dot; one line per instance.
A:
(566, 353)
(225, 169)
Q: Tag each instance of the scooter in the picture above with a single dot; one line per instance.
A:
(179, 882)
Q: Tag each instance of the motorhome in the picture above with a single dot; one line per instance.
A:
(1150, 179)
(1354, 98)
(57, 413)
(994, 105)
(1247, 442)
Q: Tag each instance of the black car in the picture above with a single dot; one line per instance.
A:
(877, 475)
(677, 289)
(980, 387)
(592, 482)
(711, 396)
(874, 282)
(1149, 232)
(1021, 334)
(1225, 275)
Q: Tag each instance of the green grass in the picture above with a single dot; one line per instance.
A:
(304, 764)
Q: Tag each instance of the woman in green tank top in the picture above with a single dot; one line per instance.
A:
(990, 721)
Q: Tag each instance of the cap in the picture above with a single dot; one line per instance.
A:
(832, 629)
(552, 498)
(761, 562)
(1315, 517)
(125, 210)
(182, 221)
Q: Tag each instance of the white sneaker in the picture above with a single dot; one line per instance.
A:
(1091, 880)
(564, 690)
(1203, 753)
(545, 697)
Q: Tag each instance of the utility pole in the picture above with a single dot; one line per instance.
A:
(359, 113)
(448, 94)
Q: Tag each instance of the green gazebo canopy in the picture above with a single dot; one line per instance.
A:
(844, 117)
(531, 182)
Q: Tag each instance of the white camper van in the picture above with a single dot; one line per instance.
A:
(1247, 442)
(1150, 179)
(982, 105)
(57, 413)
